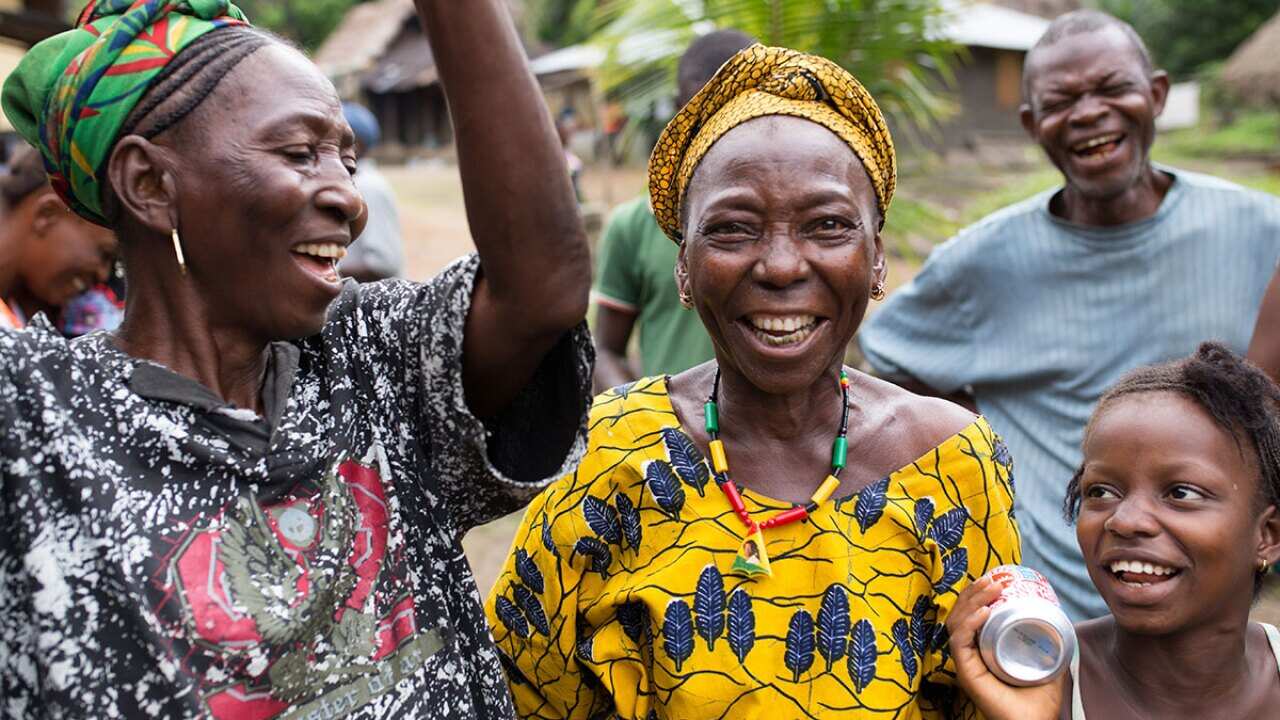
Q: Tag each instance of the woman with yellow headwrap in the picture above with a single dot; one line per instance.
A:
(771, 534)
(248, 502)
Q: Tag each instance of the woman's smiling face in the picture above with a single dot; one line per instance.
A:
(782, 249)
(1170, 521)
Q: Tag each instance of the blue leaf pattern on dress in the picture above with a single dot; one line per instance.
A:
(528, 571)
(921, 626)
(901, 638)
(602, 519)
(948, 530)
(583, 649)
(548, 541)
(833, 624)
(664, 487)
(686, 460)
(870, 504)
(633, 617)
(629, 516)
(742, 624)
(528, 602)
(799, 655)
(677, 632)
(510, 616)
(924, 515)
(862, 654)
(708, 604)
(597, 552)
(954, 566)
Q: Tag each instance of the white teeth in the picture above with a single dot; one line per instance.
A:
(1090, 144)
(774, 323)
(330, 251)
(1134, 566)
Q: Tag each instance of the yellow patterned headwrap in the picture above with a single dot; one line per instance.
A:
(761, 81)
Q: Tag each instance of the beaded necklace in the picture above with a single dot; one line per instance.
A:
(753, 559)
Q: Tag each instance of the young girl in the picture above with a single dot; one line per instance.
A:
(1176, 513)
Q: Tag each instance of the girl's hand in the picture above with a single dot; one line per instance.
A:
(996, 699)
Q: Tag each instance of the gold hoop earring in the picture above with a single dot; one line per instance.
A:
(1262, 566)
(877, 292)
(177, 249)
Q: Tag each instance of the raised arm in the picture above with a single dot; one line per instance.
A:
(520, 204)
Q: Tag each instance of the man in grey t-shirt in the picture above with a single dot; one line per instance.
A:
(1035, 310)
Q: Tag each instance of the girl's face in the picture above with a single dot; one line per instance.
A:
(1170, 522)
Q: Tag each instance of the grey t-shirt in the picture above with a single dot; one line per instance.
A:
(1038, 317)
(165, 555)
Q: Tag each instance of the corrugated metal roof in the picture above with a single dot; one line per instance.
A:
(990, 26)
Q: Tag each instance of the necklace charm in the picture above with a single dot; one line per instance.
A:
(753, 556)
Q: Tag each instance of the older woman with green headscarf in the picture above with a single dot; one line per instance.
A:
(771, 534)
(248, 501)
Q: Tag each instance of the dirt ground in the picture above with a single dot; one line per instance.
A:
(435, 232)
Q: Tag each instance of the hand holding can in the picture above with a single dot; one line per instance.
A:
(1027, 639)
(994, 696)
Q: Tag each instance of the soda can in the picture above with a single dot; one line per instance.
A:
(1028, 639)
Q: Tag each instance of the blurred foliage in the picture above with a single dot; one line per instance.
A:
(1184, 35)
(306, 22)
(1250, 134)
(884, 43)
(560, 23)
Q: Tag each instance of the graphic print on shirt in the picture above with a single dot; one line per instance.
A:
(289, 597)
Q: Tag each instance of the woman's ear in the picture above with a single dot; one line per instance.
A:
(682, 277)
(46, 211)
(879, 261)
(142, 180)
(1269, 536)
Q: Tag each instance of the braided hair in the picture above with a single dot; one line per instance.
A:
(187, 81)
(1239, 397)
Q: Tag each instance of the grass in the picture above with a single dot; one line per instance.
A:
(1253, 134)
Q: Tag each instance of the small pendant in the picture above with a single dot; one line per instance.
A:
(753, 557)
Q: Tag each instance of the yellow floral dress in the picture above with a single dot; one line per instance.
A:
(618, 599)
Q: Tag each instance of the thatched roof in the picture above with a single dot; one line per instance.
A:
(1253, 71)
(363, 36)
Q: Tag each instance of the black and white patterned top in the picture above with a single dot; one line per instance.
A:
(165, 555)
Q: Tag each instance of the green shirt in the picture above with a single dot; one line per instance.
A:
(636, 275)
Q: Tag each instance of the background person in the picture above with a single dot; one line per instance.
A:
(317, 446)
(636, 586)
(1177, 512)
(635, 285)
(1040, 307)
(378, 253)
(58, 255)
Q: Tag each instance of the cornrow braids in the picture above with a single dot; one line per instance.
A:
(186, 82)
(1239, 397)
(191, 78)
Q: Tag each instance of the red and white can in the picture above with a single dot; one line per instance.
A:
(1028, 639)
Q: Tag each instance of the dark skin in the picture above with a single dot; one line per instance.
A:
(1082, 89)
(613, 326)
(56, 254)
(1088, 87)
(1164, 484)
(289, 154)
(1264, 349)
(782, 221)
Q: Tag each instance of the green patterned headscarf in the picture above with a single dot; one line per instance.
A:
(71, 93)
